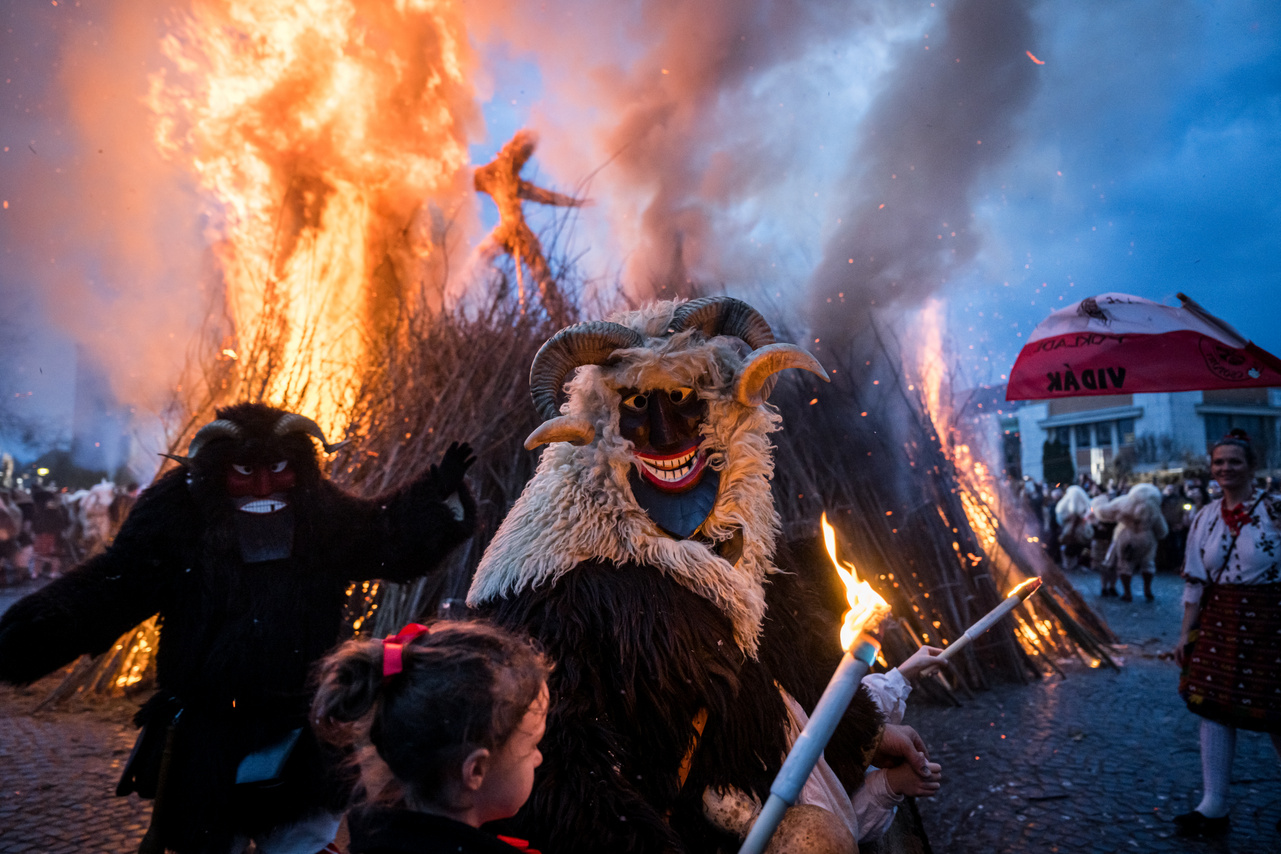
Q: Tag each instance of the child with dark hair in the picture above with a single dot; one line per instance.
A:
(444, 722)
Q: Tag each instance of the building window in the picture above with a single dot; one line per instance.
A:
(1083, 436)
(1104, 432)
(1062, 435)
(1126, 429)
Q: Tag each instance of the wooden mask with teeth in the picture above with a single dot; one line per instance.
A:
(672, 477)
(253, 461)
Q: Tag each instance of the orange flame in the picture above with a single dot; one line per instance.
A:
(322, 131)
(1026, 588)
(866, 605)
(977, 486)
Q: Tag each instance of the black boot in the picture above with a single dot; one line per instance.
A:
(1125, 584)
(1147, 587)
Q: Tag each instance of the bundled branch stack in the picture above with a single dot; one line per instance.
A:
(924, 533)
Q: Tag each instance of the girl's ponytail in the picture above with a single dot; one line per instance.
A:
(350, 684)
(413, 706)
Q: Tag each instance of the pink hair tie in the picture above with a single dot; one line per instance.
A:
(394, 647)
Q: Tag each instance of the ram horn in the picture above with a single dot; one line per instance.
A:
(292, 422)
(221, 428)
(723, 316)
(561, 429)
(753, 384)
(590, 343)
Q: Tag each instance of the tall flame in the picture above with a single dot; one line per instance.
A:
(866, 605)
(978, 489)
(976, 485)
(320, 129)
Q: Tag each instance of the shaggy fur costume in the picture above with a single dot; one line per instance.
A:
(579, 505)
(1139, 524)
(647, 631)
(1071, 511)
(237, 640)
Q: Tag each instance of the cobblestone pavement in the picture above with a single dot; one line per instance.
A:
(1098, 762)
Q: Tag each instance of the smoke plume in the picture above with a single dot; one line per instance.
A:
(948, 114)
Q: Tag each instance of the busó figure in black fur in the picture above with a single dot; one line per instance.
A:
(642, 556)
(245, 551)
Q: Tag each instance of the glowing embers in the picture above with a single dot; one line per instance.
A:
(263, 505)
(673, 472)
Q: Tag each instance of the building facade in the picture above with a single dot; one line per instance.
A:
(1142, 432)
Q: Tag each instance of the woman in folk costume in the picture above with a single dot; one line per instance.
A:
(1231, 637)
(642, 557)
(1075, 529)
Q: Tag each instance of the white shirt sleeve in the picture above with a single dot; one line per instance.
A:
(1192, 593)
(889, 691)
(875, 804)
(1193, 565)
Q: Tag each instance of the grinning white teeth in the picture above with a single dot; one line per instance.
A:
(673, 470)
(262, 505)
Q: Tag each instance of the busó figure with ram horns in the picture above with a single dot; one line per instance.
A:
(644, 557)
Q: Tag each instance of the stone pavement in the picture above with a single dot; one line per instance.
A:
(1098, 762)
(58, 773)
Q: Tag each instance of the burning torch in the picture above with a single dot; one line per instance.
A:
(867, 609)
(1012, 601)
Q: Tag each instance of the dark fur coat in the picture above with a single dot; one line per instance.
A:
(637, 656)
(237, 640)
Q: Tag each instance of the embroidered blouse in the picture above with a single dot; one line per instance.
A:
(1256, 559)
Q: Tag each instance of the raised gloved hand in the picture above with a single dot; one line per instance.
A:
(447, 477)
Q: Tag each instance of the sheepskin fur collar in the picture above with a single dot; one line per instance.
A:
(579, 506)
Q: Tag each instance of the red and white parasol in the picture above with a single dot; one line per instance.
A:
(1118, 344)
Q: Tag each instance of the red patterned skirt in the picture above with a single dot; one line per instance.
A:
(1232, 673)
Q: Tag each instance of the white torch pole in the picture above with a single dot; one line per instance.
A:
(1012, 601)
(809, 746)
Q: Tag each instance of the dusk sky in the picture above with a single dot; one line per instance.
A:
(1132, 147)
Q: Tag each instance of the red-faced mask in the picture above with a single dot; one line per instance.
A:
(260, 487)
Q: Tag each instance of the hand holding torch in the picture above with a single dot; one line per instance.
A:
(867, 609)
(1012, 601)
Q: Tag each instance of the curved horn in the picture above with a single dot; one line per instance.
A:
(590, 343)
(221, 428)
(750, 387)
(723, 316)
(562, 429)
(292, 422)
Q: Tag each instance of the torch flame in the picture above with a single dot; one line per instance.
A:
(866, 605)
(1026, 589)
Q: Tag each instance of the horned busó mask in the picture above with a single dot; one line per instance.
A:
(658, 455)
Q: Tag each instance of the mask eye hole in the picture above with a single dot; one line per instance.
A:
(681, 395)
(276, 468)
(246, 470)
(636, 402)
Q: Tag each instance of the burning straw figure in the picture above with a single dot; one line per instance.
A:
(642, 557)
(245, 551)
(501, 180)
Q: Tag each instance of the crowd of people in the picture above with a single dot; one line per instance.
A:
(46, 528)
(1118, 529)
